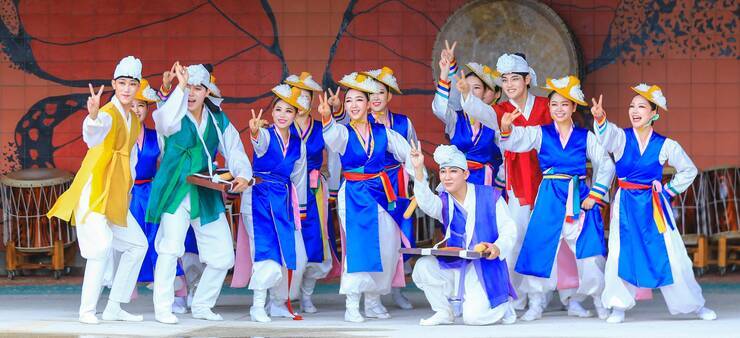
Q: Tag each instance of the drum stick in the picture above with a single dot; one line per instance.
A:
(410, 210)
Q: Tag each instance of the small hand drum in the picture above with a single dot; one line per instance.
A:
(447, 252)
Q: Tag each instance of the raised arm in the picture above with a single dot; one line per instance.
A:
(429, 203)
(335, 135)
(95, 127)
(167, 117)
(522, 139)
(480, 111)
(609, 135)
(400, 148)
(259, 136)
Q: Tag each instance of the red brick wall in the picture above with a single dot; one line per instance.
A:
(47, 54)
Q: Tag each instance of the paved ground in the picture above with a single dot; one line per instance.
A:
(51, 311)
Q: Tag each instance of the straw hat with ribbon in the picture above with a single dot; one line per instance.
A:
(569, 87)
(146, 93)
(360, 82)
(489, 76)
(292, 96)
(303, 81)
(653, 94)
(384, 76)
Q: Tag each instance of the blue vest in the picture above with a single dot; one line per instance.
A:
(540, 244)
(272, 210)
(481, 148)
(494, 273)
(643, 257)
(362, 198)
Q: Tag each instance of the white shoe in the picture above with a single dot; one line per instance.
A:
(510, 316)
(207, 314)
(401, 300)
(166, 318)
(258, 314)
(88, 319)
(521, 303)
(180, 306)
(307, 305)
(602, 312)
(374, 308)
(575, 309)
(279, 310)
(533, 313)
(706, 314)
(121, 315)
(353, 315)
(438, 318)
(616, 317)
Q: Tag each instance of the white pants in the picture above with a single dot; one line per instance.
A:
(372, 283)
(439, 285)
(683, 296)
(314, 271)
(97, 237)
(590, 270)
(215, 247)
(269, 274)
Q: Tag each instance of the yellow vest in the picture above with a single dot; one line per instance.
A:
(108, 167)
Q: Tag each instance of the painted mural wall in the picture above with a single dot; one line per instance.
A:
(51, 50)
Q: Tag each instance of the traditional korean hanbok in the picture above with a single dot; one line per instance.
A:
(190, 147)
(645, 247)
(483, 286)
(478, 142)
(365, 200)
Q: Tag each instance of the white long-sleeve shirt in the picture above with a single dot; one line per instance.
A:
(524, 139)
(168, 118)
(614, 140)
(336, 137)
(431, 204)
(299, 175)
(95, 131)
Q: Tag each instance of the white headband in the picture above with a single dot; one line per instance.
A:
(449, 156)
(128, 67)
(512, 63)
(199, 75)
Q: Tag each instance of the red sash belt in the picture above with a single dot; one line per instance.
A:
(473, 165)
(387, 187)
(659, 210)
(137, 182)
(402, 182)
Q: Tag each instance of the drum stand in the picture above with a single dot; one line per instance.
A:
(17, 260)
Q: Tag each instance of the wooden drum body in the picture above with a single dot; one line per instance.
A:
(27, 196)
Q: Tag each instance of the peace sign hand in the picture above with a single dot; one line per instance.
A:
(449, 52)
(597, 110)
(508, 119)
(255, 123)
(462, 86)
(324, 108)
(417, 156)
(182, 75)
(417, 160)
(334, 99)
(168, 76)
(93, 102)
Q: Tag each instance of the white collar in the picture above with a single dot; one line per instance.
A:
(119, 107)
(528, 105)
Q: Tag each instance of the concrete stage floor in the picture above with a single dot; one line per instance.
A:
(51, 310)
